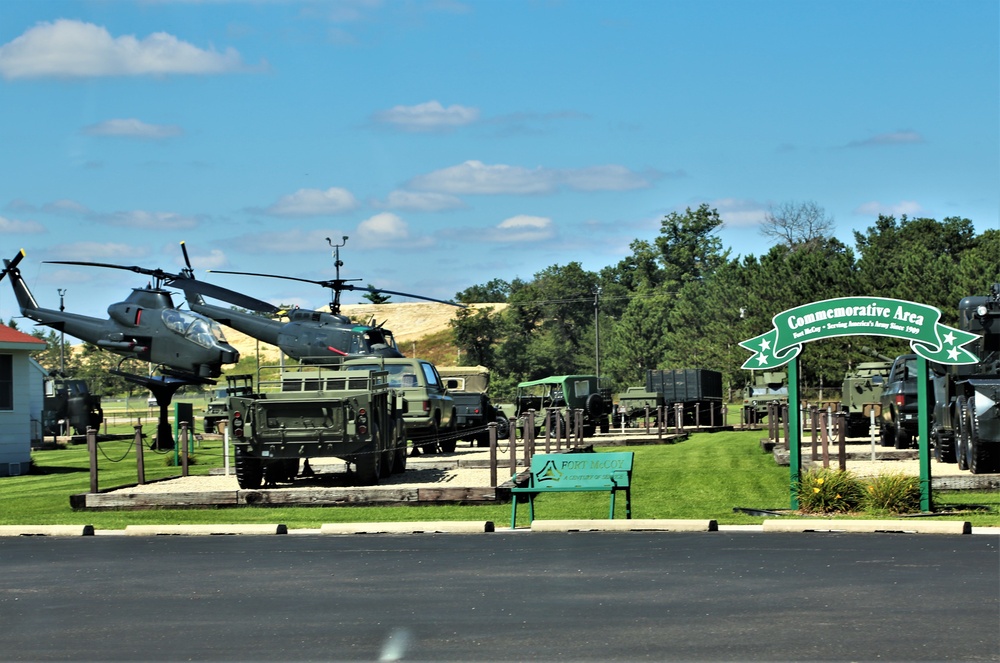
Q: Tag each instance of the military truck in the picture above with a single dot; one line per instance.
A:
(633, 404)
(316, 411)
(861, 394)
(468, 386)
(69, 405)
(428, 412)
(560, 394)
(767, 387)
(965, 427)
(898, 417)
(216, 417)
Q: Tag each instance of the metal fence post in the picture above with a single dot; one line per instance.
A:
(492, 428)
(184, 448)
(140, 463)
(92, 452)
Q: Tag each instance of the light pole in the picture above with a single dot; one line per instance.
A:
(597, 331)
(62, 334)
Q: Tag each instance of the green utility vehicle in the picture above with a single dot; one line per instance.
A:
(426, 409)
(767, 387)
(559, 395)
(69, 405)
(316, 411)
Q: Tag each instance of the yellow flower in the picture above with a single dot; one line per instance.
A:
(815, 490)
(820, 481)
(838, 496)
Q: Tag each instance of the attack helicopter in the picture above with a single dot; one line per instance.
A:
(308, 336)
(188, 348)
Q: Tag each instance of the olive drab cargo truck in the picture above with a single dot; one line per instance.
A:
(766, 387)
(316, 411)
(697, 392)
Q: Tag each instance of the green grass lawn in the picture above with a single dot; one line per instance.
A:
(706, 476)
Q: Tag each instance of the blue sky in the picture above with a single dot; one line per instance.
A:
(457, 141)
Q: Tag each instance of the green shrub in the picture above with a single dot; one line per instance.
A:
(891, 493)
(829, 491)
(171, 461)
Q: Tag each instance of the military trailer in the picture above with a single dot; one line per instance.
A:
(316, 411)
(633, 405)
(553, 399)
(861, 394)
(69, 405)
(767, 387)
(698, 392)
(467, 386)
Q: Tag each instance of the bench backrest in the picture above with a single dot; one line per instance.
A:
(587, 470)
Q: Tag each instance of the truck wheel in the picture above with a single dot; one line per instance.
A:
(886, 436)
(447, 440)
(249, 472)
(368, 466)
(595, 406)
(903, 438)
(944, 447)
(962, 435)
(503, 427)
(387, 461)
(399, 447)
(979, 453)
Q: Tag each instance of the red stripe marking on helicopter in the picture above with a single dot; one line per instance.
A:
(138, 316)
(339, 352)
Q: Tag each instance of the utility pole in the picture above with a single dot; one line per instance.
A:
(597, 330)
(62, 335)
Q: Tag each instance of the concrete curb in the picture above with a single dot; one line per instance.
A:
(903, 526)
(638, 525)
(202, 530)
(46, 530)
(432, 527)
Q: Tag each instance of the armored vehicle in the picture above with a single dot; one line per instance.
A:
(316, 411)
(633, 404)
(69, 405)
(559, 395)
(467, 386)
(767, 387)
(427, 411)
(966, 422)
(862, 393)
(216, 416)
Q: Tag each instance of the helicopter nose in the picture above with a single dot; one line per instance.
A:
(229, 356)
(387, 351)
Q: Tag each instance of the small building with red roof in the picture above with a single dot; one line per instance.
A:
(21, 394)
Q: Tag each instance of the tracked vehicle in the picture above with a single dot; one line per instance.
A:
(862, 393)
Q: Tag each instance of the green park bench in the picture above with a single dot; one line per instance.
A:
(566, 473)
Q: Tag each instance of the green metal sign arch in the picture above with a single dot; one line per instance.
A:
(859, 316)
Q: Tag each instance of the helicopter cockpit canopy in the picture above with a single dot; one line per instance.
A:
(203, 331)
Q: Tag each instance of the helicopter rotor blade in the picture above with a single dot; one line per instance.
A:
(402, 294)
(12, 264)
(184, 282)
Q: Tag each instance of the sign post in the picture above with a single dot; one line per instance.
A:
(859, 316)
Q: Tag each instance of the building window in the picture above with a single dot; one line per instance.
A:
(6, 382)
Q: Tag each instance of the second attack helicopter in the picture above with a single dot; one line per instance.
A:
(309, 336)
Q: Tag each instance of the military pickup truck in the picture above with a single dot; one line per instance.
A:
(427, 411)
(861, 394)
(468, 386)
(898, 419)
(316, 411)
(633, 404)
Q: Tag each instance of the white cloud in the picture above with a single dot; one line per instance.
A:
(416, 201)
(387, 229)
(99, 251)
(905, 137)
(429, 116)
(143, 220)
(65, 206)
(475, 177)
(214, 259)
(875, 208)
(522, 228)
(11, 226)
(314, 202)
(133, 128)
(69, 48)
(738, 212)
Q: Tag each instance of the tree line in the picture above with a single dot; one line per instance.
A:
(679, 300)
